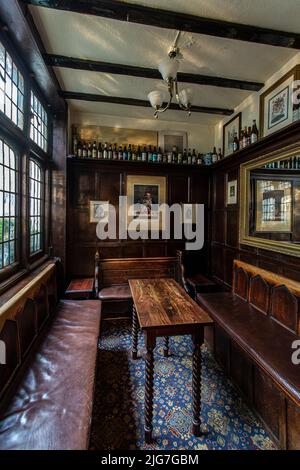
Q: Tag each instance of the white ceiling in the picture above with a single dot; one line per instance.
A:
(97, 38)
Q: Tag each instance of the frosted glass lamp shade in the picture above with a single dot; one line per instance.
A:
(156, 99)
(186, 96)
(168, 68)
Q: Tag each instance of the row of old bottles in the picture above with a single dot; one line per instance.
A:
(247, 137)
(292, 163)
(139, 153)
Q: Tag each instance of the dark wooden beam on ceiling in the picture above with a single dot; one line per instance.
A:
(133, 71)
(141, 14)
(70, 95)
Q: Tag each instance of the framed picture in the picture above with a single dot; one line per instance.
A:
(169, 139)
(232, 192)
(276, 104)
(99, 211)
(231, 128)
(144, 194)
(273, 211)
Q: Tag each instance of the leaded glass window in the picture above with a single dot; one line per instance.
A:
(39, 123)
(36, 199)
(11, 89)
(8, 205)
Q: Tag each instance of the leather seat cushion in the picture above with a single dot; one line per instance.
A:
(267, 342)
(52, 406)
(115, 293)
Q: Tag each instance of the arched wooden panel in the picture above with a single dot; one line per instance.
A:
(259, 294)
(26, 320)
(284, 307)
(241, 283)
(9, 336)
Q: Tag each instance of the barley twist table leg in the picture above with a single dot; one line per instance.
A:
(166, 346)
(197, 384)
(135, 329)
(149, 377)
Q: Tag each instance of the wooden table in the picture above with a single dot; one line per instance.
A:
(162, 308)
(80, 289)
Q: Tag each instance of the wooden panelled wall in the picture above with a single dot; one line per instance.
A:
(225, 245)
(106, 181)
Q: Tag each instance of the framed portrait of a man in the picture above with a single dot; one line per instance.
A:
(144, 196)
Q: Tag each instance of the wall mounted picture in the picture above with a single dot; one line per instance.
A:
(231, 128)
(99, 211)
(273, 206)
(232, 192)
(169, 139)
(276, 104)
(144, 194)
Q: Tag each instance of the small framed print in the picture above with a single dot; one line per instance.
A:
(232, 192)
(277, 108)
(231, 128)
(99, 211)
(167, 140)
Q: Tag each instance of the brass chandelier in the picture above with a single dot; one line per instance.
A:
(168, 69)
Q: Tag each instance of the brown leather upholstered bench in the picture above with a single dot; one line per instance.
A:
(255, 327)
(47, 384)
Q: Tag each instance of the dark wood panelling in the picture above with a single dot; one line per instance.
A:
(96, 180)
(222, 347)
(267, 401)
(241, 370)
(293, 428)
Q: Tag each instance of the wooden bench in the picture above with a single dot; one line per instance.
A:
(255, 327)
(112, 275)
(47, 381)
(194, 283)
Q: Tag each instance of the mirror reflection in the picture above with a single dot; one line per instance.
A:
(275, 200)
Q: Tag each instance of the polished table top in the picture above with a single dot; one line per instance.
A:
(163, 302)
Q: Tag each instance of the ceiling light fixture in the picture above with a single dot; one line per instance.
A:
(168, 69)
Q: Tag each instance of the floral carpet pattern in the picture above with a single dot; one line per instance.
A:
(119, 400)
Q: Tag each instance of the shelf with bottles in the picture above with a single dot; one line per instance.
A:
(143, 154)
(292, 163)
(248, 136)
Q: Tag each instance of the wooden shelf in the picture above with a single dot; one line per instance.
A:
(269, 143)
(138, 164)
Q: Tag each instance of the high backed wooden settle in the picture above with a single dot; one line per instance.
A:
(255, 328)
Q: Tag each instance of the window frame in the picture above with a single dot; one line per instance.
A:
(39, 253)
(33, 145)
(12, 269)
(25, 148)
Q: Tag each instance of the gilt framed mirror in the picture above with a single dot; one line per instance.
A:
(270, 201)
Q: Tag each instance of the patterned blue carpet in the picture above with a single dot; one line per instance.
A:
(118, 409)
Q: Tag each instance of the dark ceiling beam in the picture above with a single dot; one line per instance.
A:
(122, 69)
(141, 14)
(70, 95)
